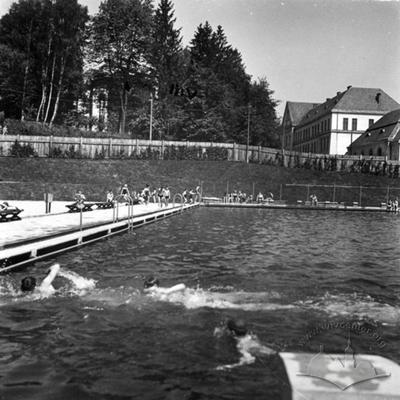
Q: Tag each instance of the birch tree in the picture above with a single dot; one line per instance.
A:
(120, 46)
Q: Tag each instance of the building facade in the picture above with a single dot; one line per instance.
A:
(380, 139)
(293, 114)
(331, 127)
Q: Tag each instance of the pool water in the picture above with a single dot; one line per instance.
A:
(297, 279)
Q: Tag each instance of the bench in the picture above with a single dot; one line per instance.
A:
(10, 214)
(77, 207)
(105, 205)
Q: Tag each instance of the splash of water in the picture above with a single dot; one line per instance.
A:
(198, 298)
(249, 347)
(352, 305)
(79, 282)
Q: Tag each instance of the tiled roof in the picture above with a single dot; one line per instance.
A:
(367, 100)
(298, 110)
(385, 129)
(357, 100)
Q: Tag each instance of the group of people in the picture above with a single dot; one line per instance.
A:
(190, 196)
(162, 195)
(237, 196)
(393, 205)
(269, 198)
(246, 342)
(314, 200)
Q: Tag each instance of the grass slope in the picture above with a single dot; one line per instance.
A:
(33, 176)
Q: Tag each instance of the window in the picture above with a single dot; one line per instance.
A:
(379, 153)
(371, 152)
(370, 122)
(345, 124)
(354, 124)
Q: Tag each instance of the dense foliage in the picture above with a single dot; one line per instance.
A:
(108, 73)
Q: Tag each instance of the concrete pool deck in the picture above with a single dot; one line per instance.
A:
(40, 235)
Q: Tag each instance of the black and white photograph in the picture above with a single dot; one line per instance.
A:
(199, 200)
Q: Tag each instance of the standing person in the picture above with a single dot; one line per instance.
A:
(234, 196)
(160, 195)
(154, 196)
(110, 196)
(198, 193)
(185, 195)
(146, 194)
(192, 193)
(167, 195)
(125, 192)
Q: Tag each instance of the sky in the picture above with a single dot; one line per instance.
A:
(307, 50)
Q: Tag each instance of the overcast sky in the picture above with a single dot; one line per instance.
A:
(308, 50)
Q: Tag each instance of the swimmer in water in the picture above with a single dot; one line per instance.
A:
(152, 286)
(28, 284)
(237, 328)
(247, 343)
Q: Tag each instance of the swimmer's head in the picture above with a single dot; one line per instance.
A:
(151, 282)
(238, 328)
(28, 284)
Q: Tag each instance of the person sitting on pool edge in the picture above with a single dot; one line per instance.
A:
(28, 284)
(152, 285)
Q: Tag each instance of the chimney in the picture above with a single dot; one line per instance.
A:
(349, 87)
(378, 97)
(327, 99)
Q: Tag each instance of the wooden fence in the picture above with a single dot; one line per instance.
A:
(82, 147)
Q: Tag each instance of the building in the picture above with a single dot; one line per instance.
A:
(330, 127)
(380, 139)
(294, 112)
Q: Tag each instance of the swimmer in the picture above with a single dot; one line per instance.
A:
(28, 284)
(247, 343)
(237, 329)
(152, 286)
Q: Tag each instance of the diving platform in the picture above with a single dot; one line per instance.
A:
(35, 238)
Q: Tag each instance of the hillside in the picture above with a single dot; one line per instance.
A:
(31, 177)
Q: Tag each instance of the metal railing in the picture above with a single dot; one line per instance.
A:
(129, 200)
(179, 196)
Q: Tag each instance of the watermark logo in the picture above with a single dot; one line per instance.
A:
(342, 371)
(347, 369)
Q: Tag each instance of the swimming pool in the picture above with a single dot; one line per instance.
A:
(295, 278)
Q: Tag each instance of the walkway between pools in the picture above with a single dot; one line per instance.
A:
(38, 236)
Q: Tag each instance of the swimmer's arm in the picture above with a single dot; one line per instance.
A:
(46, 283)
(267, 351)
(177, 288)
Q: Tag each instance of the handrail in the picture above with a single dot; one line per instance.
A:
(180, 197)
(129, 199)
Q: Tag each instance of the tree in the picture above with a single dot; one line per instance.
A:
(46, 39)
(120, 46)
(264, 129)
(166, 54)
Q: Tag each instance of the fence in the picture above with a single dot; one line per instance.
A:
(292, 193)
(99, 148)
